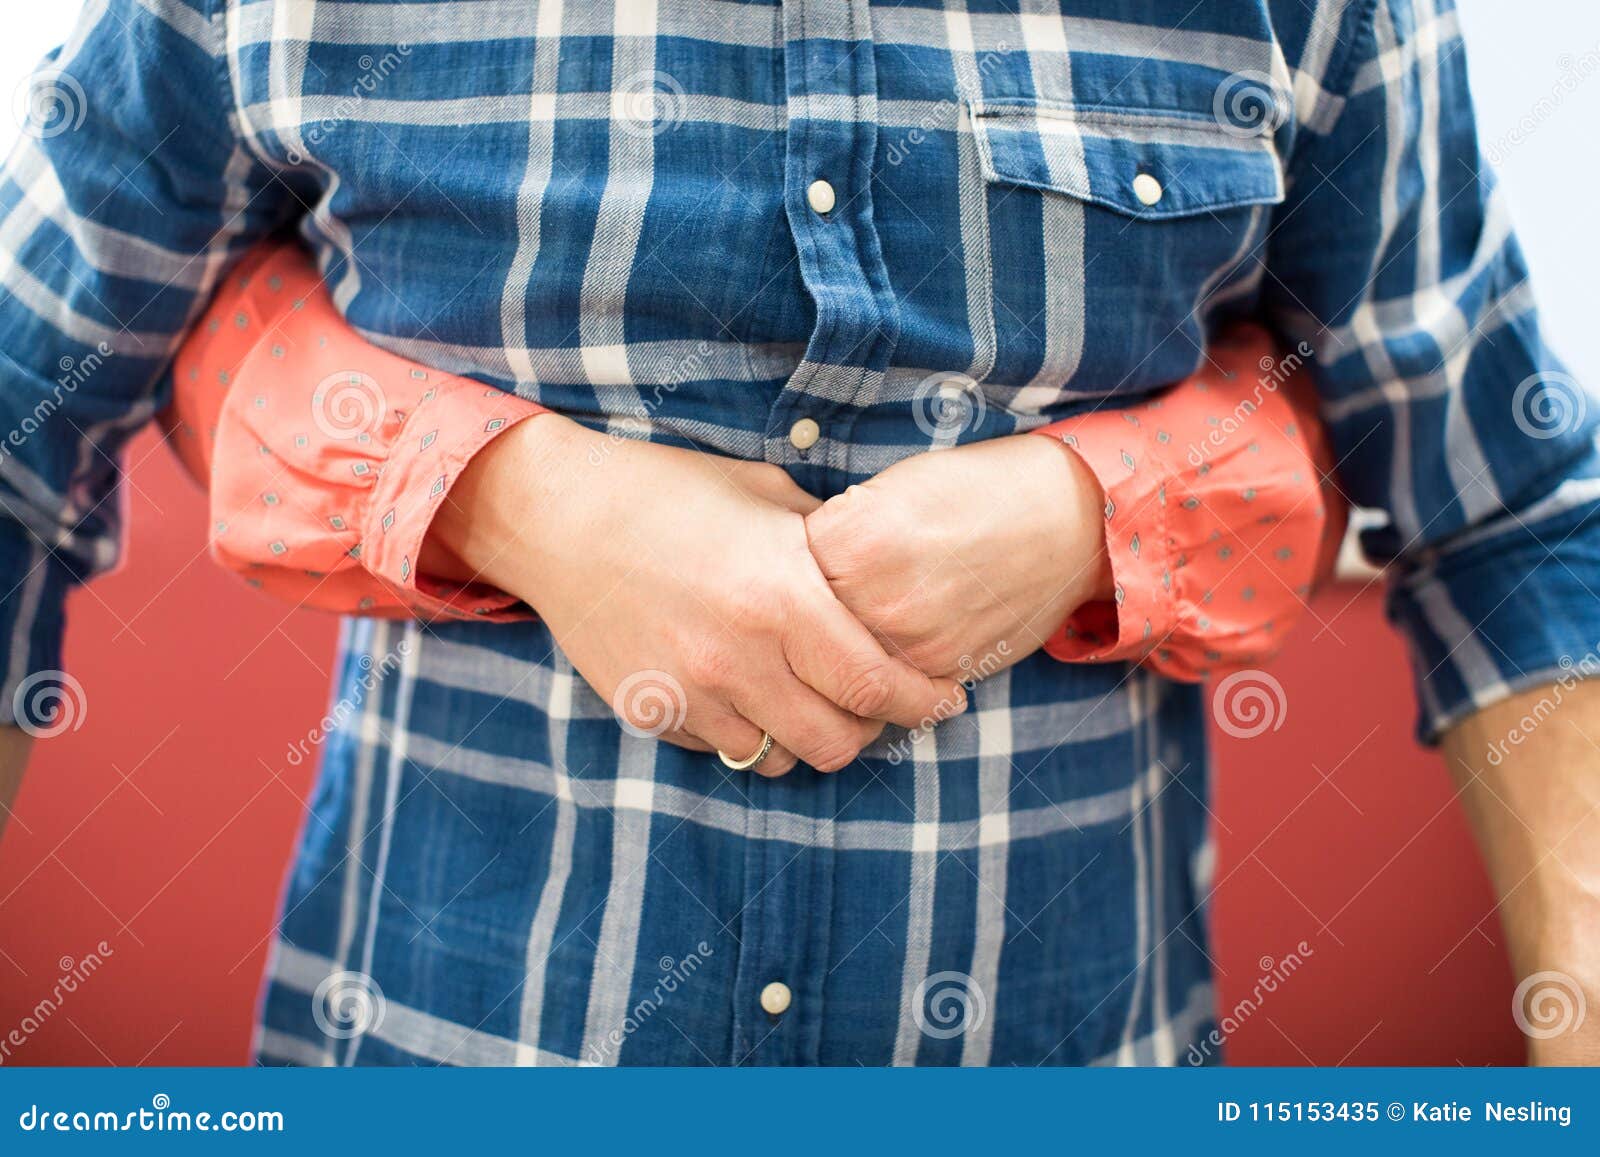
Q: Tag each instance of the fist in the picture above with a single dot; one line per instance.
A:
(967, 560)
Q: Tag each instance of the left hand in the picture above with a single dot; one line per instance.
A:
(965, 561)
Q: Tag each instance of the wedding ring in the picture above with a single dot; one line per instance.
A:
(754, 761)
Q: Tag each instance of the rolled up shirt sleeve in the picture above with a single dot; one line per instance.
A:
(124, 199)
(1219, 515)
(1393, 257)
(326, 457)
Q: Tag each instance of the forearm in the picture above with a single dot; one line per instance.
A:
(14, 746)
(1528, 770)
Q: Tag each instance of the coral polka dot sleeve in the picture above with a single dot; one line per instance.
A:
(326, 456)
(1219, 516)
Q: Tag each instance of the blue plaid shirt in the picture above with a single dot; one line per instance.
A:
(604, 206)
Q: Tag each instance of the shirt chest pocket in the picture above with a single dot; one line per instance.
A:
(1115, 236)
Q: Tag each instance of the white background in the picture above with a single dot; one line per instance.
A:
(1516, 52)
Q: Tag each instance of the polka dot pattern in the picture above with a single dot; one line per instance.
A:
(327, 473)
(1219, 517)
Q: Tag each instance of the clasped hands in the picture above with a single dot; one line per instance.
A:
(750, 606)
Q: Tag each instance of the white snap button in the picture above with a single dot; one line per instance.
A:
(775, 998)
(1147, 189)
(804, 434)
(820, 196)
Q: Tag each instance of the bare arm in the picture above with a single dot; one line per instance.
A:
(1528, 770)
(14, 746)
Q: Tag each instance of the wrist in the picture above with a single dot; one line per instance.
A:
(509, 493)
(1554, 933)
(1075, 492)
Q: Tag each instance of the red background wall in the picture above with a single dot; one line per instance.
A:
(162, 827)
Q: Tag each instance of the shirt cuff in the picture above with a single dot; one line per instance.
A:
(1218, 517)
(1505, 613)
(336, 523)
(436, 440)
(324, 478)
(37, 694)
(1142, 609)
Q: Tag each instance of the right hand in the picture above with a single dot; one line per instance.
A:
(646, 560)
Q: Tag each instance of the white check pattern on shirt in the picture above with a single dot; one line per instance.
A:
(505, 874)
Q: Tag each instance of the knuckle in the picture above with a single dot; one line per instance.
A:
(868, 691)
(708, 663)
(858, 500)
(826, 546)
(841, 523)
(834, 752)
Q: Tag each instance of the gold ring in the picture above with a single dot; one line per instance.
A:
(754, 761)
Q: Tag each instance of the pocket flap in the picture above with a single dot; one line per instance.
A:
(1141, 164)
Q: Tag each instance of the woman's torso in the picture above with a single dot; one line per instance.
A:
(618, 225)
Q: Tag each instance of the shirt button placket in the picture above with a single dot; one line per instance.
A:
(831, 138)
